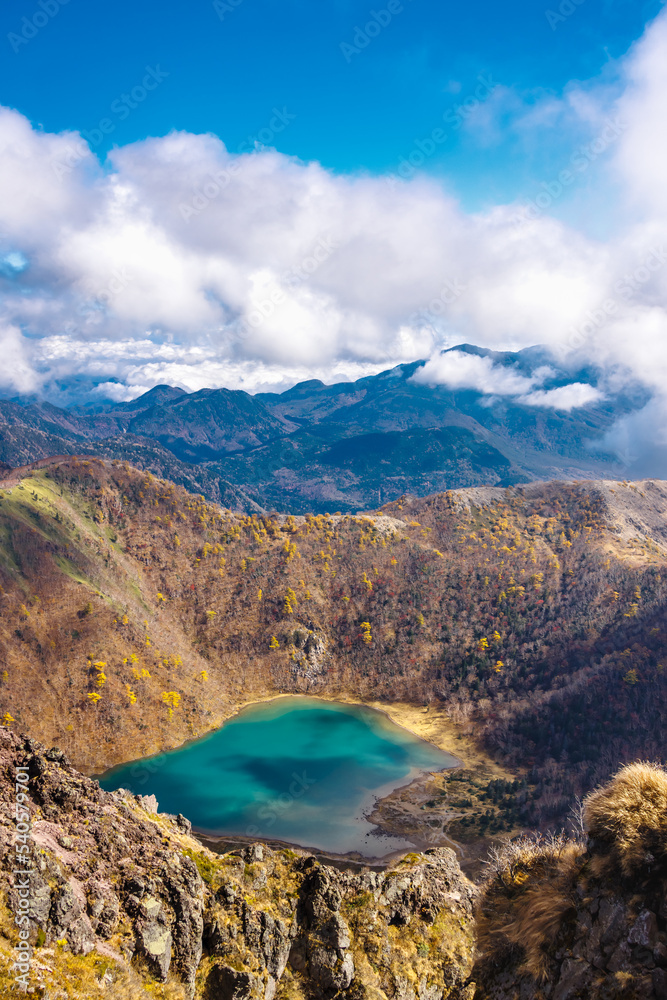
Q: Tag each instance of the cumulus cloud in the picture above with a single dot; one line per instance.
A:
(459, 370)
(16, 373)
(565, 397)
(182, 262)
(642, 158)
(117, 392)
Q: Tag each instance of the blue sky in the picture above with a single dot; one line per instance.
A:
(229, 67)
(255, 192)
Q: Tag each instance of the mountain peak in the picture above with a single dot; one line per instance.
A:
(157, 395)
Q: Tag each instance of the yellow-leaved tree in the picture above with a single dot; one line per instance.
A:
(172, 700)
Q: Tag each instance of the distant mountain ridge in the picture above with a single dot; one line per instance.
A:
(346, 446)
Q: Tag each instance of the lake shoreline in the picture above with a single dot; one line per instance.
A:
(352, 859)
(358, 790)
(431, 726)
(404, 812)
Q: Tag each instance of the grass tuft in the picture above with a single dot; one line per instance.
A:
(627, 819)
(527, 896)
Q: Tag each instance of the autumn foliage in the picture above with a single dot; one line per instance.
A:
(522, 616)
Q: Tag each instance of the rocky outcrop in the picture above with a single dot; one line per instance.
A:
(406, 932)
(309, 656)
(124, 903)
(561, 920)
(610, 946)
(114, 880)
(103, 869)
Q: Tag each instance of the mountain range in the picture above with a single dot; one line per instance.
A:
(347, 446)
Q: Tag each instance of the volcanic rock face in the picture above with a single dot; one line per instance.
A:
(142, 904)
(124, 903)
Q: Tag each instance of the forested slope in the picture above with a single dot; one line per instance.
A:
(134, 615)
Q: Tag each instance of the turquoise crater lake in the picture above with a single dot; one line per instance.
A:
(293, 769)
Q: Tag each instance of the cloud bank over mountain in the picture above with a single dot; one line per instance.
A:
(179, 262)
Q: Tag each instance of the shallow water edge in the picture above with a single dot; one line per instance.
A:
(354, 754)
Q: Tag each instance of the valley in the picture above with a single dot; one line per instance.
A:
(521, 629)
(530, 620)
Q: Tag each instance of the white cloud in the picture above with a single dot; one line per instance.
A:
(565, 397)
(458, 370)
(642, 157)
(119, 393)
(16, 372)
(144, 364)
(182, 262)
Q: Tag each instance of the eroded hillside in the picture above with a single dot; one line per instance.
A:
(134, 615)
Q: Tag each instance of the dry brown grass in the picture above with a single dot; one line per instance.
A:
(627, 819)
(530, 890)
(527, 896)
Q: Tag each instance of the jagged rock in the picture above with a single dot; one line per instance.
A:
(275, 944)
(612, 921)
(644, 931)
(67, 918)
(103, 908)
(575, 974)
(148, 802)
(111, 869)
(40, 900)
(184, 824)
(81, 936)
(154, 943)
(225, 983)
(321, 947)
(621, 958)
